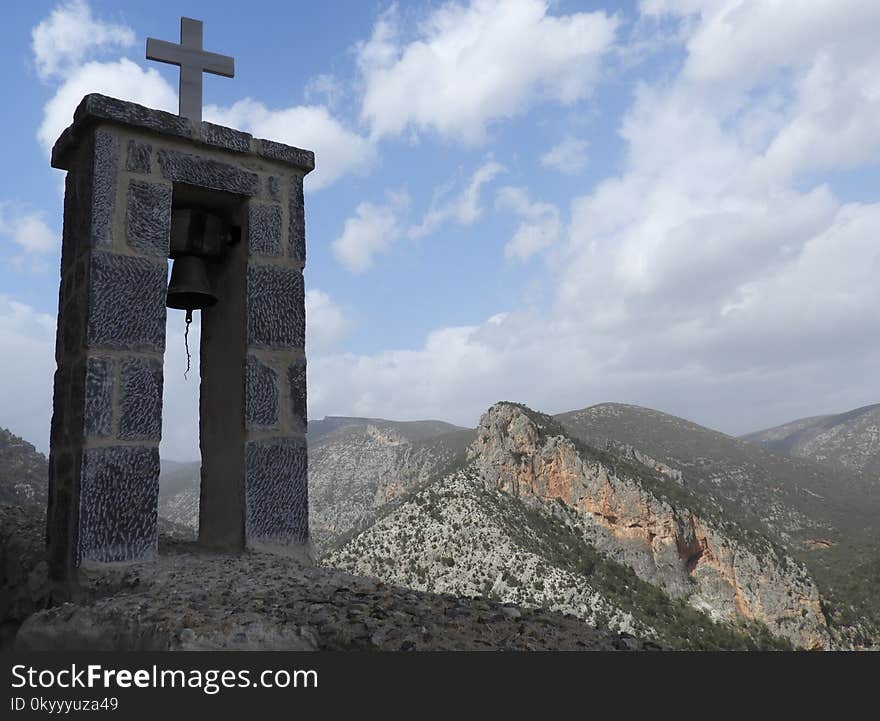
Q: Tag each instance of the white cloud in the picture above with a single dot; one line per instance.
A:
(70, 34)
(705, 258)
(27, 342)
(451, 375)
(325, 88)
(473, 64)
(338, 150)
(120, 79)
(463, 209)
(540, 227)
(370, 232)
(29, 232)
(33, 235)
(568, 156)
(830, 48)
(712, 278)
(741, 41)
(325, 322)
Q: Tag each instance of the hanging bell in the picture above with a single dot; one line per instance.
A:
(189, 288)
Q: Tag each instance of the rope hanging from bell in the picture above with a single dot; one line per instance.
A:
(189, 319)
(189, 290)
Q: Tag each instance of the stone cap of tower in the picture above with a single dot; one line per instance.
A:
(96, 108)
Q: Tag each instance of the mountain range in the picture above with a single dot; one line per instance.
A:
(549, 511)
(626, 517)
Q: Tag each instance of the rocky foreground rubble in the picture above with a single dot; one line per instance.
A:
(24, 583)
(192, 600)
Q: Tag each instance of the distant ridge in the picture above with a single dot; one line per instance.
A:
(848, 440)
(791, 496)
(411, 430)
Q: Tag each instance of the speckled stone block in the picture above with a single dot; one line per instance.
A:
(276, 491)
(103, 189)
(98, 404)
(223, 137)
(132, 114)
(274, 186)
(148, 218)
(265, 229)
(140, 399)
(138, 157)
(261, 395)
(305, 159)
(296, 247)
(276, 307)
(296, 383)
(96, 108)
(127, 303)
(186, 168)
(119, 493)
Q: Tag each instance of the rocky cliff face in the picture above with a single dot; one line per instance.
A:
(792, 499)
(827, 517)
(613, 535)
(24, 473)
(626, 515)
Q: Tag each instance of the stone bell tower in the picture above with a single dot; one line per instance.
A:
(133, 173)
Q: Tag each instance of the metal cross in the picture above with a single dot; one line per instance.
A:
(193, 61)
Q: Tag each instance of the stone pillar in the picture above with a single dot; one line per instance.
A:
(128, 168)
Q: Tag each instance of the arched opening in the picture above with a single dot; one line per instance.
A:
(180, 458)
(200, 489)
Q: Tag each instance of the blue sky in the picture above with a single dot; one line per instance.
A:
(669, 202)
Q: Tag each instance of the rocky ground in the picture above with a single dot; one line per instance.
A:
(24, 585)
(187, 599)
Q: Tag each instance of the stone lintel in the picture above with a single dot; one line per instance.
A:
(96, 108)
